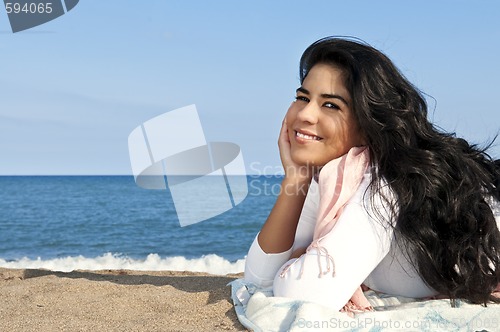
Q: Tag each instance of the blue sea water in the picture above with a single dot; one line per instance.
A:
(100, 222)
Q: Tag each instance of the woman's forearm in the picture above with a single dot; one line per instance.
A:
(278, 233)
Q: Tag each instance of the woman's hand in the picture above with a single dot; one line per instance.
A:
(298, 252)
(293, 172)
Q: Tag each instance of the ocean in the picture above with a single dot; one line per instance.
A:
(64, 223)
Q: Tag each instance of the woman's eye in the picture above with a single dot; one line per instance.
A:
(302, 98)
(331, 105)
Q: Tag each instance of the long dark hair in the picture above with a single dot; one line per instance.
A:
(441, 183)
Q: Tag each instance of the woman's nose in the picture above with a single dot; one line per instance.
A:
(309, 113)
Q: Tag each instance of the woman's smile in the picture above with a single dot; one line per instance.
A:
(305, 137)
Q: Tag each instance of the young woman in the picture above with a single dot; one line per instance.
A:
(373, 193)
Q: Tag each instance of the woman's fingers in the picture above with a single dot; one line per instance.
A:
(284, 132)
(284, 145)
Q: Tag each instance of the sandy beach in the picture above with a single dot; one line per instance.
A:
(115, 300)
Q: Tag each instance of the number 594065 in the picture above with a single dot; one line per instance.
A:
(28, 8)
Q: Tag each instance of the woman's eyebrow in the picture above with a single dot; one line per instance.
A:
(324, 95)
(303, 90)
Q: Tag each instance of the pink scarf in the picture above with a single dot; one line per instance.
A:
(338, 181)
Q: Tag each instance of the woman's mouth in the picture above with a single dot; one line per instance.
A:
(308, 137)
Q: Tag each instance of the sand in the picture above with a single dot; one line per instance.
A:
(115, 300)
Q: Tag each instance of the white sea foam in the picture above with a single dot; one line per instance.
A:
(212, 264)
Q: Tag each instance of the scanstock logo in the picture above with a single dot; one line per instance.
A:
(25, 15)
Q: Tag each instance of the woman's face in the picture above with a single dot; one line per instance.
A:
(321, 126)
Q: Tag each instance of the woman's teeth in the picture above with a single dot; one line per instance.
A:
(304, 136)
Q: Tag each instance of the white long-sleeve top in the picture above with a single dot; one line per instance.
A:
(361, 246)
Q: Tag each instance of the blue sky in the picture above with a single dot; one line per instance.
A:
(73, 89)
